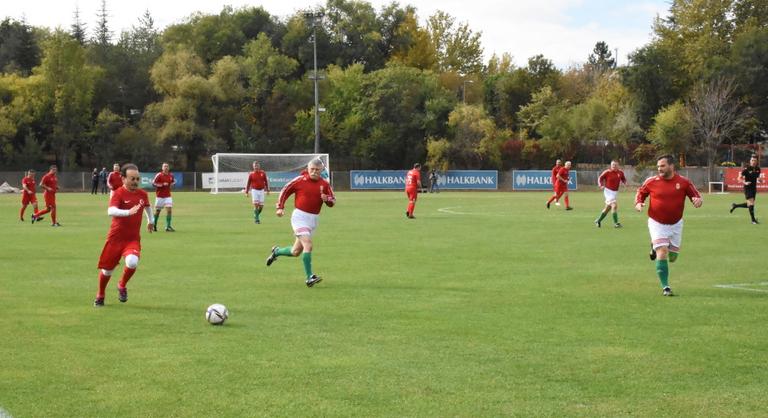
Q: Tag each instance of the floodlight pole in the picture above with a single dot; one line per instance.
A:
(314, 16)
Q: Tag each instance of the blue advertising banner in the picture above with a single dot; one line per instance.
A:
(146, 180)
(448, 180)
(278, 179)
(538, 180)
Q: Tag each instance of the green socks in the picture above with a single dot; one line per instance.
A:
(307, 259)
(157, 216)
(615, 217)
(602, 216)
(256, 214)
(168, 221)
(662, 269)
(284, 251)
(672, 256)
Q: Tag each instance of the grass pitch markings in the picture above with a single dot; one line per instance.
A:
(744, 286)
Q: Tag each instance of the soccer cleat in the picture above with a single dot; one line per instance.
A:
(652, 254)
(755, 222)
(618, 225)
(56, 224)
(313, 280)
(98, 302)
(733, 207)
(169, 229)
(407, 215)
(667, 292)
(569, 208)
(154, 228)
(557, 203)
(597, 222)
(256, 221)
(21, 219)
(547, 205)
(272, 257)
(411, 217)
(122, 294)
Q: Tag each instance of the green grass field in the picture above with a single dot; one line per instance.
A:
(487, 305)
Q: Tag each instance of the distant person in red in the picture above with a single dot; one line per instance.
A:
(124, 238)
(163, 182)
(28, 195)
(668, 191)
(50, 183)
(555, 169)
(257, 186)
(609, 181)
(412, 186)
(311, 192)
(561, 185)
(115, 179)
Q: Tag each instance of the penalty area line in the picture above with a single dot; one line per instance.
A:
(744, 286)
(450, 210)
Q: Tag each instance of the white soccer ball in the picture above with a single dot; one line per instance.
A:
(216, 314)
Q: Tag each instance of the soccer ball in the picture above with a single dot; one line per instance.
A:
(216, 314)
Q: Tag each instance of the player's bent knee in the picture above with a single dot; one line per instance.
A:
(107, 273)
(131, 261)
(672, 256)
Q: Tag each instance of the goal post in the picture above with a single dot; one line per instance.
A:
(230, 170)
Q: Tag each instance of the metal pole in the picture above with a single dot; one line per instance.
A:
(317, 94)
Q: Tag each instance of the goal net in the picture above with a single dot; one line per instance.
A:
(230, 171)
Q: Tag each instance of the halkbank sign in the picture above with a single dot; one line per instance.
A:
(448, 180)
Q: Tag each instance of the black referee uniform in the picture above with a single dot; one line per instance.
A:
(750, 174)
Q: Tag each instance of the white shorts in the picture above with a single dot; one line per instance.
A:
(610, 195)
(303, 223)
(163, 202)
(663, 235)
(257, 196)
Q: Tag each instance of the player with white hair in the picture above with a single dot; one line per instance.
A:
(124, 238)
(311, 191)
(609, 181)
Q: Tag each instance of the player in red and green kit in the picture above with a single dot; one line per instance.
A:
(555, 170)
(28, 195)
(667, 191)
(50, 183)
(163, 182)
(124, 238)
(609, 181)
(311, 192)
(257, 186)
(412, 186)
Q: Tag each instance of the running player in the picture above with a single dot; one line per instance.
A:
(163, 182)
(609, 181)
(750, 176)
(257, 186)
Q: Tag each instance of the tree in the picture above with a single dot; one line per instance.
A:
(78, 30)
(19, 51)
(716, 115)
(473, 141)
(102, 36)
(672, 130)
(416, 48)
(533, 114)
(64, 94)
(458, 48)
(601, 60)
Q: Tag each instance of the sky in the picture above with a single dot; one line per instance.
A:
(564, 31)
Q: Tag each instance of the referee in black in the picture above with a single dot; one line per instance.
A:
(749, 176)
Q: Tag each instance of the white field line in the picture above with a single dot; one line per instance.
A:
(744, 286)
(453, 212)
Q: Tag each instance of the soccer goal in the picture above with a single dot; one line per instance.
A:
(230, 171)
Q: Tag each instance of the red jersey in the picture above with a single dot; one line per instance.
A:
(667, 197)
(126, 228)
(114, 180)
(412, 179)
(50, 180)
(30, 183)
(555, 169)
(564, 173)
(257, 180)
(611, 179)
(160, 178)
(308, 193)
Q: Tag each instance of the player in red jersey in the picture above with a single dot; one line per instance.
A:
(28, 194)
(50, 183)
(163, 182)
(561, 185)
(114, 179)
(555, 169)
(257, 186)
(609, 181)
(124, 238)
(311, 192)
(412, 186)
(668, 191)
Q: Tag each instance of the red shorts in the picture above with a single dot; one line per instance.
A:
(412, 194)
(114, 250)
(50, 198)
(27, 198)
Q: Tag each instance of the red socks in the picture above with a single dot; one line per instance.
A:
(103, 280)
(411, 207)
(567, 203)
(127, 274)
